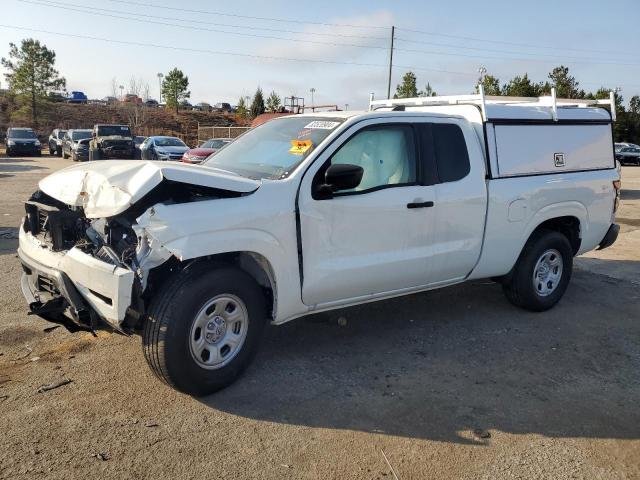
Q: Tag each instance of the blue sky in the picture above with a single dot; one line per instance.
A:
(455, 38)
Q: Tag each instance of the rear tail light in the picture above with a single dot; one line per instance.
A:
(617, 185)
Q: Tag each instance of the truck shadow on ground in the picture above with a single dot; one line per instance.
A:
(8, 239)
(441, 364)
(629, 194)
(12, 165)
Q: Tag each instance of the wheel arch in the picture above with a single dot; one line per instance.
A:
(253, 263)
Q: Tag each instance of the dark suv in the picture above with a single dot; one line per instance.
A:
(111, 141)
(22, 141)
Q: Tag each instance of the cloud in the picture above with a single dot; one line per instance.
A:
(337, 43)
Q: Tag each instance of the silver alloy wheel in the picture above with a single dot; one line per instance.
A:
(218, 331)
(547, 272)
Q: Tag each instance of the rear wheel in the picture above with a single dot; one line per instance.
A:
(541, 275)
(204, 327)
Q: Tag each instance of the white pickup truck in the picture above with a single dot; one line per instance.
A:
(321, 211)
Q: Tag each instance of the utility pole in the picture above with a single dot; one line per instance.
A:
(482, 71)
(160, 75)
(393, 34)
(346, 106)
(312, 90)
(121, 92)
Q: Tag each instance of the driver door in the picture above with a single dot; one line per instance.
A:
(376, 238)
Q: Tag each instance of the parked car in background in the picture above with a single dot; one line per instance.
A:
(111, 141)
(223, 107)
(202, 107)
(132, 98)
(162, 148)
(138, 140)
(185, 105)
(628, 156)
(77, 97)
(109, 100)
(151, 103)
(620, 145)
(199, 154)
(71, 146)
(22, 141)
(55, 141)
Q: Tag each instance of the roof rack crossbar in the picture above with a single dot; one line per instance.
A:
(482, 100)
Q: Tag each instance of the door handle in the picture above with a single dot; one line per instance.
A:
(419, 204)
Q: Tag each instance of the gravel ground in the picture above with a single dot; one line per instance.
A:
(453, 383)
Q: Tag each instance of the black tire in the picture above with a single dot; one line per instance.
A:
(52, 151)
(519, 286)
(173, 310)
(59, 152)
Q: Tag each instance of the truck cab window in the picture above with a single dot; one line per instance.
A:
(386, 153)
(450, 151)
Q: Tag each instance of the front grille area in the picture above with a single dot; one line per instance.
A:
(60, 227)
(46, 284)
(43, 216)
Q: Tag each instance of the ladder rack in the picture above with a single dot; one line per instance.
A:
(483, 100)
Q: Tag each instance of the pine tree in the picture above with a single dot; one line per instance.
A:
(31, 73)
(257, 105)
(273, 102)
(174, 88)
(241, 108)
(407, 89)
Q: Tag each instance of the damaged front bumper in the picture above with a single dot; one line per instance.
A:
(74, 281)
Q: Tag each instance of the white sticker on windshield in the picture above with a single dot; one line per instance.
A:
(322, 125)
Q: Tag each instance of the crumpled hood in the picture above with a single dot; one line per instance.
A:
(108, 187)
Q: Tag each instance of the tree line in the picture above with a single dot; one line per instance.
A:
(31, 76)
(625, 129)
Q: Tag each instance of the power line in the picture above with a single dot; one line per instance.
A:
(289, 20)
(203, 22)
(482, 49)
(223, 14)
(83, 10)
(242, 34)
(219, 52)
(514, 44)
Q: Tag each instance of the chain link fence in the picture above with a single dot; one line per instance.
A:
(207, 132)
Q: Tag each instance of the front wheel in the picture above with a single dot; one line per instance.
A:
(542, 273)
(203, 328)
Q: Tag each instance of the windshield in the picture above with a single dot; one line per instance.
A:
(21, 134)
(61, 133)
(110, 130)
(80, 134)
(169, 142)
(275, 148)
(214, 143)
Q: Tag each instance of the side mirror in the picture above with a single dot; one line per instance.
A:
(343, 176)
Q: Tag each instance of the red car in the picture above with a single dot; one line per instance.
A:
(197, 155)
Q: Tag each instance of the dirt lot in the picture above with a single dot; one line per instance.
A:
(556, 394)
